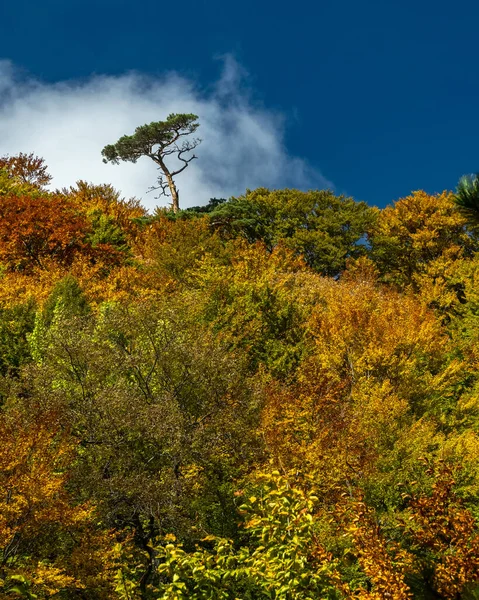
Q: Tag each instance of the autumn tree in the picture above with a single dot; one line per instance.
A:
(445, 536)
(158, 141)
(44, 534)
(28, 168)
(416, 232)
(374, 389)
(114, 220)
(39, 227)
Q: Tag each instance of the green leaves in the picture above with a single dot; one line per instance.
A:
(282, 559)
(165, 417)
(147, 137)
(323, 228)
(466, 197)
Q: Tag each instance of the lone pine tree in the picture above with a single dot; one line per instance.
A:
(159, 140)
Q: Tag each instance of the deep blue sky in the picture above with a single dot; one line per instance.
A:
(381, 96)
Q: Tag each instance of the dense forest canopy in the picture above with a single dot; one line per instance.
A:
(271, 396)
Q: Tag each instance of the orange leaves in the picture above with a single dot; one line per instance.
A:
(44, 237)
(449, 532)
(27, 168)
(36, 228)
(353, 382)
(435, 542)
(384, 563)
(47, 543)
(361, 331)
(368, 390)
(33, 501)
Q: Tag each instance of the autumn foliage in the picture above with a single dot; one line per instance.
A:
(26, 168)
(271, 396)
(35, 229)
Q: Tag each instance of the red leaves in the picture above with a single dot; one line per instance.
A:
(35, 230)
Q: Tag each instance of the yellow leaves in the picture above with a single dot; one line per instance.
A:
(439, 283)
(378, 410)
(421, 217)
(366, 383)
(51, 579)
(365, 397)
(416, 231)
(123, 283)
(372, 327)
(36, 510)
(31, 461)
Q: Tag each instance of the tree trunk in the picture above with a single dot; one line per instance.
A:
(175, 196)
(175, 199)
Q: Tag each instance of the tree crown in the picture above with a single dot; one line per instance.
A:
(156, 138)
(466, 197)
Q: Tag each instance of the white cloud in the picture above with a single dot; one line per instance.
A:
(68, 123)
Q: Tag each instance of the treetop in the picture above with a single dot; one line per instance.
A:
(158, 133)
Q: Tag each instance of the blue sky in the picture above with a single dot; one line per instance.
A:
(377, 98)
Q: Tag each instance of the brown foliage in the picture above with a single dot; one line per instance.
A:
(28, 168)
(39, 229)
(34, 228)
(448, 532)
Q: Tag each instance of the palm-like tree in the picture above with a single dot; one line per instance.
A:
(466, 198)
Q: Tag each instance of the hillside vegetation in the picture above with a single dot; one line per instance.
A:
(274, 396)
